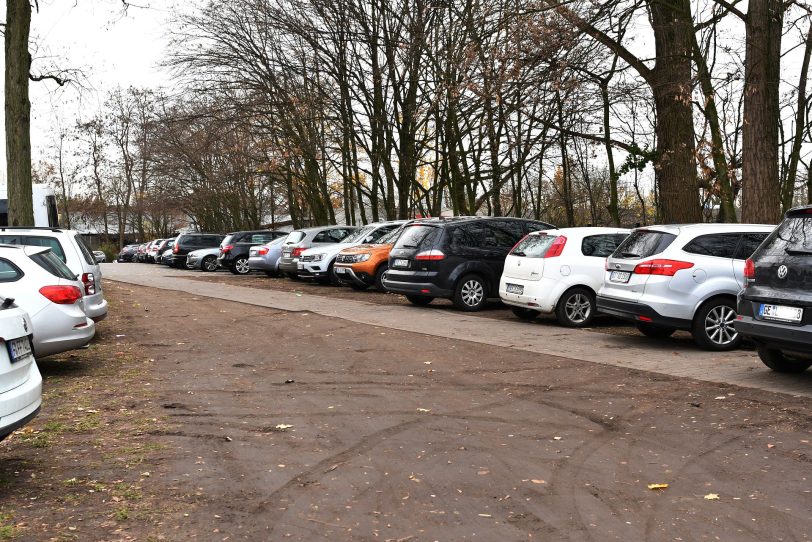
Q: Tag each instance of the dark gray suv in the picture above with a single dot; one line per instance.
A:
(775, 307)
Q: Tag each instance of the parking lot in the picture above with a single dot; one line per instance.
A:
(214, 407)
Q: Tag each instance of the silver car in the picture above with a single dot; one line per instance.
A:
(666, 278)
(204, 259)
(300, 240)
(266, 257)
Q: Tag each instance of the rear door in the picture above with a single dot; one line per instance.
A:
(783, 264)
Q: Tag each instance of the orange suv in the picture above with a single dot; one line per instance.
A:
(363, 266)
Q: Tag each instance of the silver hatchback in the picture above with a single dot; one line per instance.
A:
(666, 278)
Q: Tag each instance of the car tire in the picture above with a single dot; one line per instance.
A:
(576, 308)
(524, 314)
(419, 300)
(240, 266)
(655, 332)
(272, 274)
(713, 325)
(471, 293)
(209, 264)
(780, 363)
(358, 287)
(379, 275)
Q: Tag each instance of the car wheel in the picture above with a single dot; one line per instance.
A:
(777, 361)
(471, 293)
(379, 276)
(358, 287)
(655, 332)
(713, 325)
(209, 263)
(419, 300)
(576, 308)
(524, 314)
(240, 266)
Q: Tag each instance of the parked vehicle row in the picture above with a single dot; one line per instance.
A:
(660, 278)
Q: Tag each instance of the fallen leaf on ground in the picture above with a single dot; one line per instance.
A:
(424, 410)
(711, 497)
(657, 486)
(485, 515)
(538, 481)
(282, 426)
(556, 438)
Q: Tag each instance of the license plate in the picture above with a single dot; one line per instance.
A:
(286, 254)
(19, 349)
(514, 288)
(401, 263)
(781, 313)
(300, 266)
(620, 276)
(341, 270)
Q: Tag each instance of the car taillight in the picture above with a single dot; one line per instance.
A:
(226, 249)
(175, 249)
(61, 295)
(90, 284)
(749, 272)
(666, 268)
(556, 248)
(298, 251)
(430, 255)
(262, 251)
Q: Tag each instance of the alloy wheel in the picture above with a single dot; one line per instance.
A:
(210, 264)
(578, 308)
(719, 325)
(472, 293)
(241, 265)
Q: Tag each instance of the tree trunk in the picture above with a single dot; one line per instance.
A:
(18, 114)
(760, 182)
(800, 117)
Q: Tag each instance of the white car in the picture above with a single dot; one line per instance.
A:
(665, 278)
(48, 291)
(20, 380)
(72, 250)
(317, 262)
(558, 271)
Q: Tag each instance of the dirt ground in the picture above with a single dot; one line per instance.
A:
(197, 419)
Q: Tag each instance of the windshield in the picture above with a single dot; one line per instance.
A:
(793, 236)
(358, 235)
(533, 246)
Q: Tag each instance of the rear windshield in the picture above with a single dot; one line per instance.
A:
(227, 239)
(35, 241)
(793, 237)
(417, 237)
(88, 256)
(533, 246)
(294, 237)
(391, 237)
(644, 243)
(52, 264)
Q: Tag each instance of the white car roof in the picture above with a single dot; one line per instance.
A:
(582, 232)
(697, 229)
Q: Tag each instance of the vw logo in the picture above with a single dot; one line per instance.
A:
(25, 325)
(782, 272)
(617, 266)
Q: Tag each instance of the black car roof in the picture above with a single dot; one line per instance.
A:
(469, 219)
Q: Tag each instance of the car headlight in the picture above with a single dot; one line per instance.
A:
(318, 257)
(362, 258)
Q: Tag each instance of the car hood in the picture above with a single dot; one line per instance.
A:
(367, 248)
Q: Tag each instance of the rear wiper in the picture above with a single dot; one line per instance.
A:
(518, 253)
(798, 252)
(409, 246)
(629, 255)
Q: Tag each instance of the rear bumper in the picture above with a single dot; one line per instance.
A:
(96, 309)
(289, 267)
(776, 335)
(21, 405)
(639, 313)
(60, 335)
(260, 264)
(427, 289)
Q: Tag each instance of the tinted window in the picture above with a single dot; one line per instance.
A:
(533, 246)
(793, 236)
(417, 237)
(721, 245)
(8, 272)
(260, 238)
(644, 243)
(86, 253)
(38, 241)
(533, 225)
(748, 244)
(468, 236)
(52, 264)
(323, 237)
(503, 233)
(601, 246)
(210, 240)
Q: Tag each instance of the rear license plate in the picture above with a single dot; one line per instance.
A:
(514, 288)
(340, 270)
(286, 254)
(300, 266)
(19, 349)
(620, 276)
(781, 313)
(401, 263)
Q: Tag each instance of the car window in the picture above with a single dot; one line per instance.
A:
(467, 236)
(261, 238)
(323, 237)
(644, 243)
(793, 237)
(212, 240)
(341, 234)
(35, 241)
(417, 237)
(748, 244)
(392, 236)
(516, 229)
(8, 271)
(52, 264)
(295, 236)
(601, 246)
(86, 252)
(500, 234)
(720, 245)
(533, 246)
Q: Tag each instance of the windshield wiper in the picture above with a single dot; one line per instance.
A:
(798, 252)
(629, 255)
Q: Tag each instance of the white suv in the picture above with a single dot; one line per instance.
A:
(20, 380)
(71, 249)
(558, 271)
(666, 278)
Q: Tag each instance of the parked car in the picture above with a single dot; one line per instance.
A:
(127, 253)
(204, 259)
(266, 257)
(461, 258)
(20, 379)
(99, 256)
(187, 242)
(558, 271)
(300, 240)
(166, 257)
(234, 248)
(152, 250)
(72, 250)
(165, 250)
(42, 285)
(364, 265)
(141, 253)
(666, 278)
(318, 262)
(775, 306)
